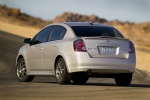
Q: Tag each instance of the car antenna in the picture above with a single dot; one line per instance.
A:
(92, 21)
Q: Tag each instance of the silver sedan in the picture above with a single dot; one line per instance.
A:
(76, 51)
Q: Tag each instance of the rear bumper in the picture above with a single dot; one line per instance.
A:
(81, 62)
(103, 69)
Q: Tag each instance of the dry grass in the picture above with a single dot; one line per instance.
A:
(143, 52)
(143, 60)
(18, 30)
(138, 33)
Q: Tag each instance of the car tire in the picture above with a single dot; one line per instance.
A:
(123, 79)
(80, 78)
(61, 72)
(21, 71)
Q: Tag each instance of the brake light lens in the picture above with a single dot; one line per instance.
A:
(131, 48)
(79, 45)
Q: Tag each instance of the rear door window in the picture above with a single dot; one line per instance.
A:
(57, 33)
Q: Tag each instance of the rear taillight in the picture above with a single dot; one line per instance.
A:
(79, 45)
(131, 48)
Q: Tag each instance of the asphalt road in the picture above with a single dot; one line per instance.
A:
(45, 88)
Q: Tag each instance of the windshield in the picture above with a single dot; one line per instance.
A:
(90, 31)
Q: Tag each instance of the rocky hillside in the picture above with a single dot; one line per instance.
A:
(13, 15)
(139, 33)
(74, 17)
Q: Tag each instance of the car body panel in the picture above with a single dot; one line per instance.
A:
(114, 48)
(34, 57)
(82, 62)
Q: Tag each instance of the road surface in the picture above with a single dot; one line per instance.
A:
(45, 88)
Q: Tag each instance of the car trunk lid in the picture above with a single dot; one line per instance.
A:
(107, 47)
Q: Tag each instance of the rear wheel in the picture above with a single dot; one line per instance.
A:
(21, 71)
(61, 72)
(123, 79)
(80, 78)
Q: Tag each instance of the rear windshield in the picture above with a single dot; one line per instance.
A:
(90, 31)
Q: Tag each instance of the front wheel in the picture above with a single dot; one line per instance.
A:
(123, 79)
(61, 72)
(21, 71)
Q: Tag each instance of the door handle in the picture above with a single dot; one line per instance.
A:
(40, 49)
(55, 45)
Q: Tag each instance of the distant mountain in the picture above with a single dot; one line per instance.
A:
(13, 15)
(75, 17)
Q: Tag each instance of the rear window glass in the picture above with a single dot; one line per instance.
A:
(90, 31)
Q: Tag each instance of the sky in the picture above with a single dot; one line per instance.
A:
(124, 10)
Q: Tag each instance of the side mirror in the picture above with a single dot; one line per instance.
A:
(27, 40)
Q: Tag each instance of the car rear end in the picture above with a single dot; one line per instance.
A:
(102, 49)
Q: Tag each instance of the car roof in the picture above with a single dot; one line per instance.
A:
(85, 24)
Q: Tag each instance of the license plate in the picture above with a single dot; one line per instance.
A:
(107, 50)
